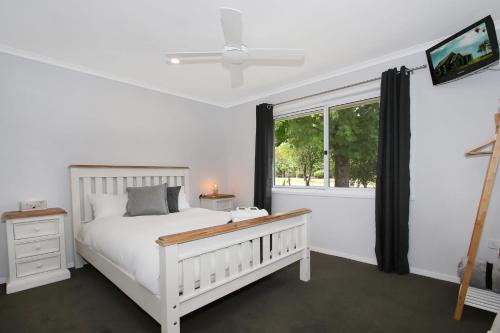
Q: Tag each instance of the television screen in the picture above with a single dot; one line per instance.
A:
(465, 52)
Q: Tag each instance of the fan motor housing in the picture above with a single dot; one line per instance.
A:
(235, 55)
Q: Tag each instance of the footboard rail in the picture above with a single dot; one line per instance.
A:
(200, 266)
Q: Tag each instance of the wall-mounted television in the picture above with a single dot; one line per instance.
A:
(465, 52)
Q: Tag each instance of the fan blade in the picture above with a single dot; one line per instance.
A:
(276, 54)
(231, 26)
(236, 72)
(193, 54)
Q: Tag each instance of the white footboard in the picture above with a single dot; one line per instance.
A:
(200, 266)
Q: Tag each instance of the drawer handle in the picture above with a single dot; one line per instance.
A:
(37, 248)
(39, 265)
(37, 229)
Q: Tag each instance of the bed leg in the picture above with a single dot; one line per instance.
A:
(79, 262)
(77, 259)
(305, 266)
(169, 289)
(305, 262)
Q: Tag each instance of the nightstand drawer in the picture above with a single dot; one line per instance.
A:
(44, 246)
(35, 229)
(38, 265)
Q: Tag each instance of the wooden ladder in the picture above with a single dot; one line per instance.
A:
(482, 210)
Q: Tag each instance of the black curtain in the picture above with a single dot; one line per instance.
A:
(264, 143)
(393, 173)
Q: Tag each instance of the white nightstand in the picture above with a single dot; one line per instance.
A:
(217, 202)
(36, 248)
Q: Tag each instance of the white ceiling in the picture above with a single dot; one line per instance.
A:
(126, 40)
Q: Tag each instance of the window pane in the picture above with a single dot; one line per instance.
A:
(353, 140)
(298, 151)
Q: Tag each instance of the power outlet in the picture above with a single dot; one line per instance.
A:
(33, 205)
(494, 244)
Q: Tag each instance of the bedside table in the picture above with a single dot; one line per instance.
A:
(217, 202)
(36, 248)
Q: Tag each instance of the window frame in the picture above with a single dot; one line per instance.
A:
(325, 105)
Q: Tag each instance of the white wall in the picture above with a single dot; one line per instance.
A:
(52, 117)
(447, 120)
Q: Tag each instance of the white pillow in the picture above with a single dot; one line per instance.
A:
(104, 205)
(183, 203)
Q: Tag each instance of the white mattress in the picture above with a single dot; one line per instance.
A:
(130, 241)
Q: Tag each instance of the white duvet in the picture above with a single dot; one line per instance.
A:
(130, 241)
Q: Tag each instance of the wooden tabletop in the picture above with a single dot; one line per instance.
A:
(32, 213)
(217, 196)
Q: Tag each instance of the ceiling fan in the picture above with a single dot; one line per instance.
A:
(235, 54)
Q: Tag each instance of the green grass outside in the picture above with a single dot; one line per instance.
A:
(297, 182)
(315, 182)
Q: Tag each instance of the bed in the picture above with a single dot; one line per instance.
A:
(179, 262)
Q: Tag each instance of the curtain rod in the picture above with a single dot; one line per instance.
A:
(410, 70)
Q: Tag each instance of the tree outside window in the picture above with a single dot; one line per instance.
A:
(299, 150)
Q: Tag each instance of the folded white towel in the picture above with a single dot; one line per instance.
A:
(240, 215)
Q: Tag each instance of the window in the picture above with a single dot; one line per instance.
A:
(334, 146)
(298, 152)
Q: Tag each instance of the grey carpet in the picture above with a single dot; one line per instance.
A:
(342, 296)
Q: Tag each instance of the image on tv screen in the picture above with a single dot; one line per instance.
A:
(471, 47)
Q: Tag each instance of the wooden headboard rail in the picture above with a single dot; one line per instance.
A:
(108, 166)
(189, 236)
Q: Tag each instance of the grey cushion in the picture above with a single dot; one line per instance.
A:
(173, 198)
(148, 200)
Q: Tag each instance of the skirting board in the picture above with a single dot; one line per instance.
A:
(371, 261)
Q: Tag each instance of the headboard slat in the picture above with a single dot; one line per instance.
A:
(109, 185)
(87, 189)
(120, 188)
(98, 186)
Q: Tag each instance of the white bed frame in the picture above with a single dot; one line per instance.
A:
(229, 256)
